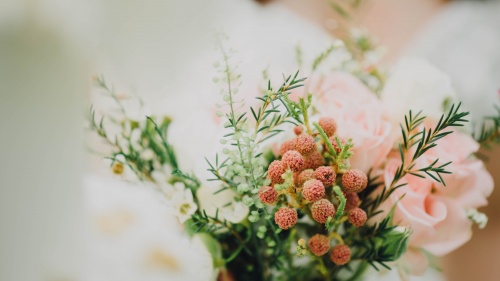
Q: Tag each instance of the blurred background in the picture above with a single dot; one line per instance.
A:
(63, 216)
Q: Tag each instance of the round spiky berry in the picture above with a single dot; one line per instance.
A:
(293, 160)
(305, 145)
(275, 171)
(354, 181)
(287, 146)
(298, 130)
(313, 190)
(352, 201)
(325, 174)
(268, 195)
(305, 176)
(328, 125)
(286, 217)
(357, 217)
(313, 161)
(321, 210)
(319, 245)
(340, 254)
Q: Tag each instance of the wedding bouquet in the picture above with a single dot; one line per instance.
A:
(322, 177)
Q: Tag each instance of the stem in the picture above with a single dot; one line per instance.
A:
(337, 237)
(358, 274)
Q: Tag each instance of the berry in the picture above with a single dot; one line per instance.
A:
(354, 181)
(305, 145)
(305, 176)
(313, 190)
(340, 254)
(268, 195)
(298, 130)
(287, 146)
(352, 201)
(293, 160)
(321, 210)
(328, 125)
(357, 217)
(275, 171)
(286, 217)
(313, 161)
(319, 245)
(325, 174)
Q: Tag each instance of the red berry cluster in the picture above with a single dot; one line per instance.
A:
(304, 157)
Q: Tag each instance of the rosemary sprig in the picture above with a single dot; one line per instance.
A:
(421, 141)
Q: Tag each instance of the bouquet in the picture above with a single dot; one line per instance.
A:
(322, 177)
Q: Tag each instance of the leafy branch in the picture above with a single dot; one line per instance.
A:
(421, 141)
(490, 130)
(269, 108)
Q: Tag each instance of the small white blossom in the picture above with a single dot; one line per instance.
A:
(477, 217)
(147, 154)
(183, 204)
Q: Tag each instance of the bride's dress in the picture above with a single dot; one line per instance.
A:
(131, 234)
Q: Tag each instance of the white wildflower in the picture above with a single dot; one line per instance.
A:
(477, 217)
(147, 154)
(183, 204)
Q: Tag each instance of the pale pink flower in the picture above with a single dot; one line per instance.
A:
(437, 213)
(359, 115)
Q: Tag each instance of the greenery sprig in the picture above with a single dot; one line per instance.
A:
(420, 141)
(489, 133)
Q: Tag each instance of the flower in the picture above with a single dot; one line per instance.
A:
(268, 195)
(354, 181)
(357, 217)
(437, 214)
(359, 114)
(416, 84)
(340, 254)
(313, 161)
(287, 146)
(298, 130)
(286, 217)
(313, 190)
(210, 201)
(352, 199)
(325, 174)
(319, 245)
(305, 144)
(305, 176)
(182, 201)
(275, 170)
(292, 160)
(328, 125)
(321, 210)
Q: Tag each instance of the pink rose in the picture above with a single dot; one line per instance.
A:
(359, 115)
(437, 213)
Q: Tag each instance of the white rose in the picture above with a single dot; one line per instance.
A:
(417, 85)
(229, 209)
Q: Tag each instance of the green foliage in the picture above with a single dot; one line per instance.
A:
(420, 141)
(381, 243)
(340, 159)
(489, 133)
(141, 145)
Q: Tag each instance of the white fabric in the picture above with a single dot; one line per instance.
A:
(464, 41)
